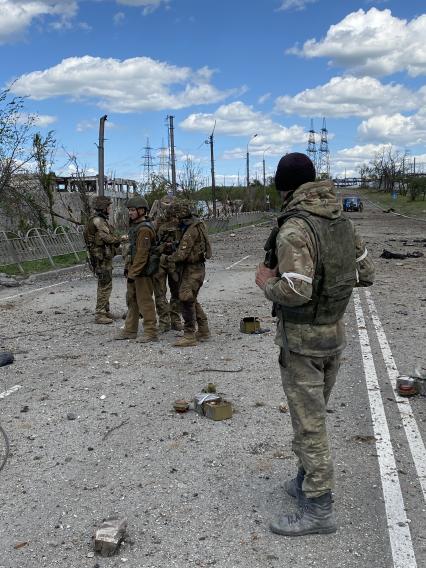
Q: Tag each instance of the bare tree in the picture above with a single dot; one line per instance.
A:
(189, 177)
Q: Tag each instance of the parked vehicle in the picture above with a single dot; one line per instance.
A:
(352, 204)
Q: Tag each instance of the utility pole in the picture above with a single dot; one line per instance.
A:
(248, 161)
(101, 163)
(210, 141)
(172, 152)
(148, 166)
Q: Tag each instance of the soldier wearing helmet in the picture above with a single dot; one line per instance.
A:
(188, 262)
(102, 246)
(169, 235)
(141, 265)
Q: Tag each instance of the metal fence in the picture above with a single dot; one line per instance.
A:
(39, 244)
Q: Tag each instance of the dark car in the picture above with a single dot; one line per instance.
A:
(352, 204)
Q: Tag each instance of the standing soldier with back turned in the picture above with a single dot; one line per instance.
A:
(316, 260)
(169, 235)
(101, 245)
(188, 263)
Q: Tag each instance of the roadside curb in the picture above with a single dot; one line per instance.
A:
(41, 276)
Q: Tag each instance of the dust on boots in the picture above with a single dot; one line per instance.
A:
(315, 516)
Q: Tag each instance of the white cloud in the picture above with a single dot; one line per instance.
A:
(348, 96)
(118, 18)
(40, 120)
(91, 124)
(148, 6)
(264, 98)
(17, 15)
(295, 4)
(131, 85)
(395, 129)
(239, 119)
(347, 161)
(372, 43)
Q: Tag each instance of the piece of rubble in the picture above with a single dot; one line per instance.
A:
(283, 408)
(7, 281)
(109, 536)
(6, 358)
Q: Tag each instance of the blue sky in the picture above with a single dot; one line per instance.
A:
(262, 67)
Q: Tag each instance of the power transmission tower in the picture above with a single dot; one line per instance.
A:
(210, 141)
(323, 170)
(148, 165)
(172, 152)
(163, 168)
(312, 148)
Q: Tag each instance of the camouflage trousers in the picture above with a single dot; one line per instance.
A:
(192, 279)
(140, 301)
(307, 383)
(103, 294)
(168, 312)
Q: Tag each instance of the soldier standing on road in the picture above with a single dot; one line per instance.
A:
(320, 258)
(140, 267)
(102, 246)
(168, 235)
(188, 262)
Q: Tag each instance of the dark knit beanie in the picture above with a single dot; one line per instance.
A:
(294, 170)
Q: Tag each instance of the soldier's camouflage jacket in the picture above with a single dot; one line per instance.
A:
(101, 241)
(194, 246)
(297, 256)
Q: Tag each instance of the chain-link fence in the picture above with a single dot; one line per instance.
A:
(39, 244)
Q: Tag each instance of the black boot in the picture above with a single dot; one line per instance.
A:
(294, 486)
(315, 516)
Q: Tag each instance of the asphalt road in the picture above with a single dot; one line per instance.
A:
(197, 492)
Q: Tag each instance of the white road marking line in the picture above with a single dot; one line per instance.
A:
(9, 391)
(39, 289)
(399, 531)
(238, 262)
(414, 437)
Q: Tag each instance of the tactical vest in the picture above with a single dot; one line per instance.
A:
(335, 270)
(153, 259)
(202, 249)
(96, 247)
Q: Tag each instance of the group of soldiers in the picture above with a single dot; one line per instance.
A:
(169, 252)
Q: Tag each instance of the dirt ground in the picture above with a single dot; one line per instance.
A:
(93, 432)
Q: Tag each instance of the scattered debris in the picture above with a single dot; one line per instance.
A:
(71, 416)
(211, 387)
(213, 406)
(398, 255)
(108, 432)
(218, 410)
(109, 536)
(363, 438)
(181, 405)
(407, 386)
(237, 370)
(6, 358)
(19, 545)
(25, 408)
(283, 408)
(250, 324)
(7, 281)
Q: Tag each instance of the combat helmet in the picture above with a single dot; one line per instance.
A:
(137, 202)
(182, 209)
(101, 202)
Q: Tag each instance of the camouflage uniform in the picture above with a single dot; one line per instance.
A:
(169, 235)
(140, 285)
(102, 245)
(310, 353)
(189, 262)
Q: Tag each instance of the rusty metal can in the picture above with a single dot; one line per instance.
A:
(407, 386)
